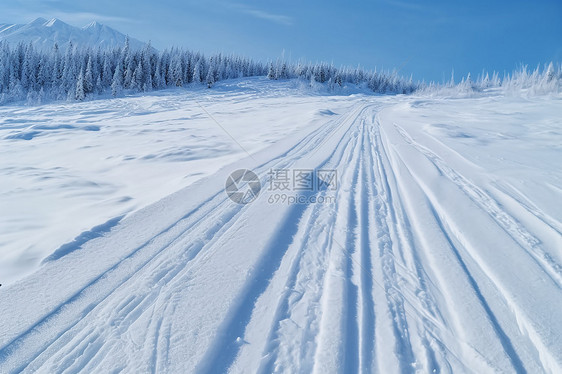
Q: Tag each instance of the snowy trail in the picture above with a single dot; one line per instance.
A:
(417, 264)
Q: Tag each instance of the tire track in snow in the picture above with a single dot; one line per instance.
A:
(508, 223)
(366, 211)
(459, 249)
(409, 257)
(297, 282)
(265, 269)
(315, 231)
(351, 327)
(223, 352)
(120, 317)
(211, 363)
(539, 334)
(333, 336)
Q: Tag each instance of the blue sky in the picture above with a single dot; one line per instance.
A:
(426, 39)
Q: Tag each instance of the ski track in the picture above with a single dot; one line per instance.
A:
(480, 197)
(389, 284)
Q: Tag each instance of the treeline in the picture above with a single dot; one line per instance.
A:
(338, 77)
(76, 74)
(541, 80)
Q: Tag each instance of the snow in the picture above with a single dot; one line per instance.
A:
(439, 252)
(69, 167)
(45, 33)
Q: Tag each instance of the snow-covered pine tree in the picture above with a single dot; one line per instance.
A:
(147, 64)
(197, 71)
(106, 73)
(80, 89)
(158, 81)
(68, 82)
(89, 77)
(99, 86)
(117, 82)
(550, 73)
(210, 78)
(271, 72)
(28, 78)
(56, 75)
(44, 73)
(128, 74)
(188, 67)
(284, 74)
(177, 71)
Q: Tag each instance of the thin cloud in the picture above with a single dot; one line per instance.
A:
(277, 18)
(257, 13)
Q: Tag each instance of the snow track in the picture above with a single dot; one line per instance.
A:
(414, 266)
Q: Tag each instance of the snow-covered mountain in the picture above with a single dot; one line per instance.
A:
(43, 34)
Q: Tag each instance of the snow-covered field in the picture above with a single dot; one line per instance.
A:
(68, 167)
(439, 250)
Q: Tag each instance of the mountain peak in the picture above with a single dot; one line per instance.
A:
(44, 34)
(54, 22)
(38, 21)
(92, 25)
